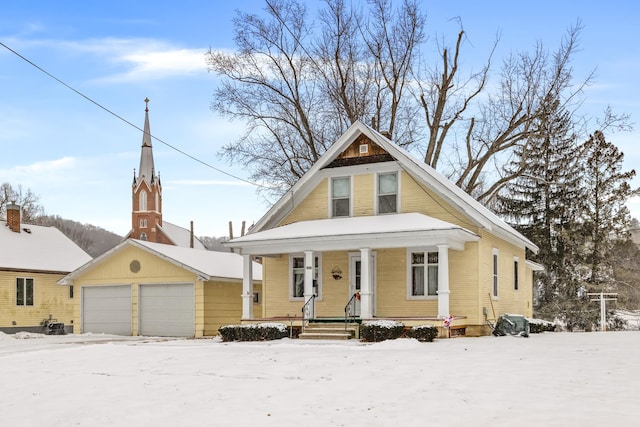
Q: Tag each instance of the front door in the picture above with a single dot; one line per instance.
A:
(355, 273)
(355, 282)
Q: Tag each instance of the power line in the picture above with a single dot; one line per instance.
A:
(97, 104)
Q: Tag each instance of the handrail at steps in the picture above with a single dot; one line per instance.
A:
(307, 309)
(347, 308)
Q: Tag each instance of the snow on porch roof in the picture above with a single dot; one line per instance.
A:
(409, 229)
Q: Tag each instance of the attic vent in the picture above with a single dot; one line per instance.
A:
(364, 148)
(27, 230)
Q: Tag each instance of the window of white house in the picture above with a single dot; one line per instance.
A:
(388, 193)
(142, 201)
(340, 196)
(24, 291)
(424, 274)
(515, 273)
(495, 273)
(70, 291)
(297, 276)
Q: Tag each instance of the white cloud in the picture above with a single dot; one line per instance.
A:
(135, 58)
(158, 64)
(41, 168)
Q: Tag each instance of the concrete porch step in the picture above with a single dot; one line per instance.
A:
(325, 336)
(329, 331)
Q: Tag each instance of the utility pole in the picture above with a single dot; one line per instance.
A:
(602, 297)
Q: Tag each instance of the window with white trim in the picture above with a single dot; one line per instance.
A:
(142, 201)
(341, 196)
(423, 280)
(24, 291)
(296, 278)
(515, 273)
(495, 273)
(388, 192)
(143, 223)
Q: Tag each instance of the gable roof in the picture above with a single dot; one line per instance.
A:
(208, 265)
(423, 173)
(39, 249)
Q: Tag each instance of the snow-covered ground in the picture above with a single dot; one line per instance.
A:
(550, 379)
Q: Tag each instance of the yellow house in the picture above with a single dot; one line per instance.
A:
(154, 289)
(32, 259)
(369, 232)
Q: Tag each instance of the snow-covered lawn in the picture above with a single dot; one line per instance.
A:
(550, 379)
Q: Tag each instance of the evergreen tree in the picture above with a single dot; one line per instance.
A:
(544, 204)
(606, 218)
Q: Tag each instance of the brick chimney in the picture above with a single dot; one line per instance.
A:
(13, 217)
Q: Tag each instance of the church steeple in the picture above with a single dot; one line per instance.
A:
(146, 213)
(147, 168)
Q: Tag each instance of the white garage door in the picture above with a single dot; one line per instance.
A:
(106, 309)
(167, 310)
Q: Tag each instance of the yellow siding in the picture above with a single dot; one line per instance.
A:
(49, 299)
(464, 299)
(223, 305)
(115, 270)
(314, 206)
(416, 198)
(276, 293)
(364, 189)
(508, 300)
(335, 293)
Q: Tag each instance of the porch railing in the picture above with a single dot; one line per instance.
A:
(307, 309)
(349, 309)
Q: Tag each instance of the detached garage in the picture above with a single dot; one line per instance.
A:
(152, 289)
(167, 309)
(107, 309)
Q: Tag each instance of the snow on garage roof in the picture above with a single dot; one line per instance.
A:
(207, 264)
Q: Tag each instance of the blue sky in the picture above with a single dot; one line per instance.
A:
(79, 159)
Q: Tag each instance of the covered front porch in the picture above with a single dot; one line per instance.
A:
(358, 268)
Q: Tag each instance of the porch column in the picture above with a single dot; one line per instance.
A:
(247, 288)
(366, 311)
(309, 266)
(443, 281)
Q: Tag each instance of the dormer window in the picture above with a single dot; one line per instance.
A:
(340, 196)
(388, 193)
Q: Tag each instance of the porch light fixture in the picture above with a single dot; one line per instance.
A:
(336, 273)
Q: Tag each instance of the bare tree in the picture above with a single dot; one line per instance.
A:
(28, 201)
(393, 37)
(269, 82)
(299, 89)
(500, 121)
(299, 85)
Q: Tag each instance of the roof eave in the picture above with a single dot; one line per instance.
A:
(455, 238)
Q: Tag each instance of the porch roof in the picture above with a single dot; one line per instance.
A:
(381, 231)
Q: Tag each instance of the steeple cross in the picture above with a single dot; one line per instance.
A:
(146, 101)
